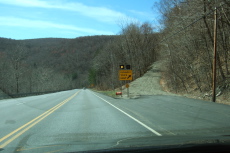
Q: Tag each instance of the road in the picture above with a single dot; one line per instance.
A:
(79, 120)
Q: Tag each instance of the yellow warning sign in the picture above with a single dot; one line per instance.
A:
(125, 74)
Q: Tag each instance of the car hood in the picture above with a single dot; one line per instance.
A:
(129, 143)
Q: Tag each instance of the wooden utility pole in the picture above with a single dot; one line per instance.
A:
(214, 59)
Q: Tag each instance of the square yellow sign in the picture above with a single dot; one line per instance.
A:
(125, 75)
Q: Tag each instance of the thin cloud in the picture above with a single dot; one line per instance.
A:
(143, 14)
(99, 13)
(152, 17)
(27, 3)
(20, 22)
(138, 12)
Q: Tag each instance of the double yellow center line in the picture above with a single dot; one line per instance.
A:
(33, 122)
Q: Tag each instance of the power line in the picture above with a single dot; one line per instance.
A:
(191, 24)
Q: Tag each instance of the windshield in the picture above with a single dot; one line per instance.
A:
(89, 75)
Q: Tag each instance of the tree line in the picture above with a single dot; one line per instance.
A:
(187, 41)
(49, 64)
(136, 45)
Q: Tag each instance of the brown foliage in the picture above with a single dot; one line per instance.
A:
(188, 39)
(136, 46)
(49, 64)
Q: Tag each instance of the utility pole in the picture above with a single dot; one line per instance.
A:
(214, 59)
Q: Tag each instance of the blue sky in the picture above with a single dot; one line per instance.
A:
(28, 19)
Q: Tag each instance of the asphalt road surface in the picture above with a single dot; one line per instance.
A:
(79, 120)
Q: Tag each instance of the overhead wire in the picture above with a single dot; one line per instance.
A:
(184, 28)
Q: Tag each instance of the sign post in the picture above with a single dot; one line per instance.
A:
(127, 86)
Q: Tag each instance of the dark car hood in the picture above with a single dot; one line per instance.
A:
(105, 145)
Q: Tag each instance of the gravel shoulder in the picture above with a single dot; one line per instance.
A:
(151, 83)
(148, 84)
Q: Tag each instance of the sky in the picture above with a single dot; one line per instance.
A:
(30, 19)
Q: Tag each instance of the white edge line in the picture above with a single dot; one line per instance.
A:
(147, 127)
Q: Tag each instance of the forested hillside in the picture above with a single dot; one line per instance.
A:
(137, 45)
(188, 41)
(50, 64)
